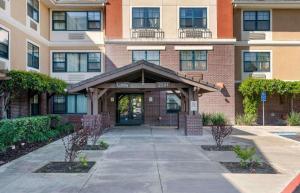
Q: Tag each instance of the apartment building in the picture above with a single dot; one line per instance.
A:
(268, 47)
(152, 62)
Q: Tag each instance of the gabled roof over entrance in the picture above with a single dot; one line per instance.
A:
(151, 73)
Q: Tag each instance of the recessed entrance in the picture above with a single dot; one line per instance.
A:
(130, 109)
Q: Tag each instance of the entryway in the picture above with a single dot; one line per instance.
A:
(130, 109)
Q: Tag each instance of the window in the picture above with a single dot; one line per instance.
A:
(33, 58)
(34, 105)
(256, 20)
(70, 104)
(150, 56)
(76, 21)
(193, 18)
(193, 60)
(33, 9)
(173, 103)
(76, 62)
(145, 18)
(4, 43)
(257, 62)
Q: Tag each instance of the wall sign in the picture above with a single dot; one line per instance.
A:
(194, 105)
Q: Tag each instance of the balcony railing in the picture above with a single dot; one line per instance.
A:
(147, 33)
(200, 33)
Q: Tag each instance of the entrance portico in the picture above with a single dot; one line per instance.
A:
(133, 95)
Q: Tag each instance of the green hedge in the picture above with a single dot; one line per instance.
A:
(28, 129)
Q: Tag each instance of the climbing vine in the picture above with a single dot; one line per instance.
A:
(252, 88)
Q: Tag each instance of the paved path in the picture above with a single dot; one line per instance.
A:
(148, 160)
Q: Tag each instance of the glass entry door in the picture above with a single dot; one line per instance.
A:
(130, 109)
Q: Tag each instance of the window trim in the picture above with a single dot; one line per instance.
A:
(8, 46)
(66, 105)
(256, 10)
(87, 21)
(36, 45)
(269, 74)
(146, 54)
(257, 51)
(193, 70)
(74, 52)
(191, 7)
(207, 17)
(39, 11)
(160, 16)
(171, 111)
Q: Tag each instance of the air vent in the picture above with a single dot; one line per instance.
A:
(258, 76)
(76, 36)
(2, 4)
(33, 25)
(75, 77)
(257, 36)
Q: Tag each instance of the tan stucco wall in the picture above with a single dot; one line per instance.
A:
(169, 14)
(285, 61)
(18, 49)
(44, 21)
(286, 24)
(18, 10)
(237, 24)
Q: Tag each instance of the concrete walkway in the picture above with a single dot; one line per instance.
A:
(156, 160)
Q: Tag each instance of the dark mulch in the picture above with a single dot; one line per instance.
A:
(66, 167)
(93, 147)
(12, 154)
(263, 168)
(214, 148)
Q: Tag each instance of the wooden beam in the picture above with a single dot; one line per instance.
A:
(178, 95)
(128, 85)
(143, 77)
(102, 92)
(183, 92)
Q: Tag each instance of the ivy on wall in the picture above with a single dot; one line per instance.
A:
(252, 88)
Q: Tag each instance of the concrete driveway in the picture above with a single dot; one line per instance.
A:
(139, 160)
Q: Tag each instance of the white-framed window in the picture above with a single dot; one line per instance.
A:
(259, 20)
(146, 17)
(152, 56)
(256, 61)
(193, 17)
(4, 44)
(193, 60)
(33, 10)
(33, 55)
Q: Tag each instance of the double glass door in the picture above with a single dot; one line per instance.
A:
(130, 109)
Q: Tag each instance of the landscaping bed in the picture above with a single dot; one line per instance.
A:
(94, 148)
(215, 148)
(262, 168)
(66, 167)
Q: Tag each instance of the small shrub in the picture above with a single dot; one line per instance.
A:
(246, 119)
(246, 156)
(103, 145)
(83, 161)
(218, 119)
(293, 119)
(206, 119)
(219, 133)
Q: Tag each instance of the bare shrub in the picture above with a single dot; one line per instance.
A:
(219, 133)
(74, 143)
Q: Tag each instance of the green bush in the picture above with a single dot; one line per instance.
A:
(103, 145)
(294, 119)
(29, 130)
(246, 119)
(246, 156)
(214, 119)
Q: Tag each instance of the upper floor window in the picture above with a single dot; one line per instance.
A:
(76, 62)
(76, 21)
(173, 103)
(70, 104)
(33, 9)
(150, 56)
(193, 18)
(193, 60)
(256, 21)
(143, 18)
(257, 62)
(4, 43)
(33, 56)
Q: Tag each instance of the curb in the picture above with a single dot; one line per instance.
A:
(291, 187)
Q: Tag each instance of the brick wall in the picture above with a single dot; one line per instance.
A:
(19, 106)
(220, 69)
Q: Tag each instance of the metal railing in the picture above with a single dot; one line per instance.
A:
(147, 33)
(200, 33)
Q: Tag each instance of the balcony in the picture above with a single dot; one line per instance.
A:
(195, 33)
(147, 34)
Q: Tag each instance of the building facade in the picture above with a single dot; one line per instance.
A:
(216, 43)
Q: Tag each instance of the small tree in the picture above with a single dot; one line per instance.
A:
(246, 156)
(220, 130)
(74, 143)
